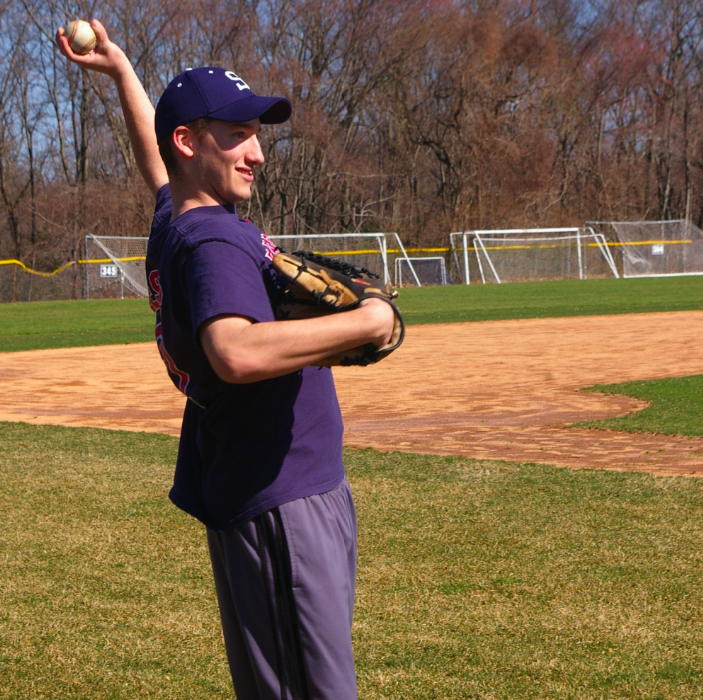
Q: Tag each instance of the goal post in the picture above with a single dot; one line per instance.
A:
(115, 263)
(458, 246)
(431, 270)
(519, 255)
(654, 248)
(375, 251)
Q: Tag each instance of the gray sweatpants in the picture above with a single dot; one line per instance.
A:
(285, 585)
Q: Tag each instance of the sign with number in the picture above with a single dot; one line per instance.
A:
(108, 270)
(658, 249)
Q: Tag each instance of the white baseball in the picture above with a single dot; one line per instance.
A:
(81, 37)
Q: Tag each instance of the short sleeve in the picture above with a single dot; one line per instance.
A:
(221, 278)
(163, 207)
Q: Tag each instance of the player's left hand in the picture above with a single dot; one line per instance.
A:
(382, 318)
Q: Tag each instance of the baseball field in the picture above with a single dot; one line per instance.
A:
(522, 467)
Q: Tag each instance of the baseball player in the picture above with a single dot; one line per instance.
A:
(260, 454)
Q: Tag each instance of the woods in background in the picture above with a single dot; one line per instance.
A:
(416, 116)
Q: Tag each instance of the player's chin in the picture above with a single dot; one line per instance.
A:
(240, 193)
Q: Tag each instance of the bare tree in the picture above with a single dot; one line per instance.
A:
(419, 116)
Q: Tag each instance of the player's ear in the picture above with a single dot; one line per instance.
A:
(183, 140)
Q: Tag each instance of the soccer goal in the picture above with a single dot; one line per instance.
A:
(115, 266)
(375, 251)
(430, 271)
(521, 255)
(654, 248)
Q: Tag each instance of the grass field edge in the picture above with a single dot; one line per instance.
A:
(662, 413)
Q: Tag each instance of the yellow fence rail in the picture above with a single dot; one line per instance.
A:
(447, 249)
(92, 261)
(20, 264)
(391, 251)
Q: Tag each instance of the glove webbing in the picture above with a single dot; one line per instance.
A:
(339, 265)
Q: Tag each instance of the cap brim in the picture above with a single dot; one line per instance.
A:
(269, 110)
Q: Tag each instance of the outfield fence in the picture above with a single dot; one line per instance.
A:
(18, 282)
(654, 248)
(114, 266)
(594, 250)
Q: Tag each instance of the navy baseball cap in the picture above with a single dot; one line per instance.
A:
(216, 93)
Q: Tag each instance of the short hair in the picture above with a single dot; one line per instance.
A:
(200, 127)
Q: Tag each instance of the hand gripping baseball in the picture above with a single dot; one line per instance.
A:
(104, 58)
(320, 285)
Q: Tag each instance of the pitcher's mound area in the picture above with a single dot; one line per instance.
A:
(493, 390)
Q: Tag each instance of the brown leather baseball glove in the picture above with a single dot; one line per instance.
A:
(321, 285)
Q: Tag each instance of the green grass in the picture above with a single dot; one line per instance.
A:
(35, 325)
(66, 324)
(476, 579)
(492, 302)
(676, 406)
(58, 324)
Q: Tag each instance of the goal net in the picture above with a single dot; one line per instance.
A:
(376, 252)
(115, 266)
(521, 255)
(429, 270)
(655, 248)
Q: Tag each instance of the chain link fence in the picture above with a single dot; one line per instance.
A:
(113, 268)
(20, 283)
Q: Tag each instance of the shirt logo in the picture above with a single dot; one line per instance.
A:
(271, 247)
(179, 377)
(154, 290)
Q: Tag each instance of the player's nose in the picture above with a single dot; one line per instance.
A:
(254, 156)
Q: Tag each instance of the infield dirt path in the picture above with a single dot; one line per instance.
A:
(498, 390)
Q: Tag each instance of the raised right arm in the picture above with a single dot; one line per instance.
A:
(138, 111)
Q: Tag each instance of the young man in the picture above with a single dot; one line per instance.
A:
(260, 458)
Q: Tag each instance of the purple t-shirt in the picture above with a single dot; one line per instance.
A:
(244, 448)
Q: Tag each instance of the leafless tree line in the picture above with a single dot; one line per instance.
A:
(416, 116)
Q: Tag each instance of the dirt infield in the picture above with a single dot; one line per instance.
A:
(498, 390)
